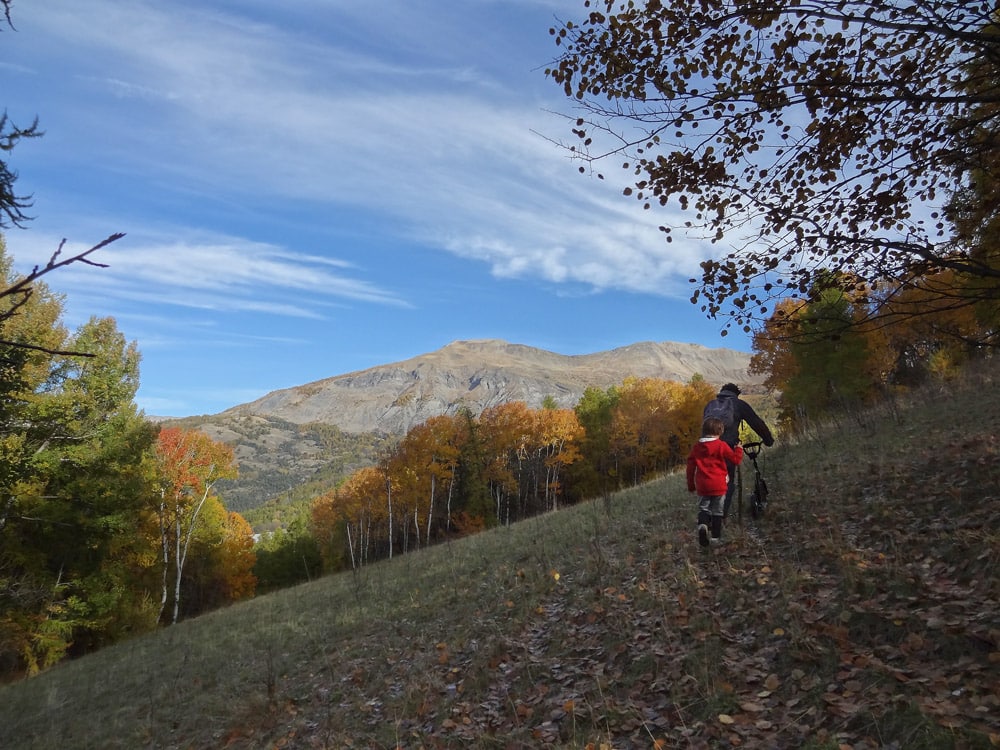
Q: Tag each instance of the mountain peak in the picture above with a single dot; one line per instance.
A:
(480, 373)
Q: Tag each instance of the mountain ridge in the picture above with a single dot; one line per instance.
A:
(479, 373)
(315, 434)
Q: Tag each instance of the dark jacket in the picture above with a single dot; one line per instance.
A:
(745, 413)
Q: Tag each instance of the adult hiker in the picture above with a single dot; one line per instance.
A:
(734, 411)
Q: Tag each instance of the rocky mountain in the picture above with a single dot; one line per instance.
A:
(323, 430)
(479, 374)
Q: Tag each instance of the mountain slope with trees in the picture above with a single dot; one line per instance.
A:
(97, 522)
(320, 432)
(859, 613)
(479, 374)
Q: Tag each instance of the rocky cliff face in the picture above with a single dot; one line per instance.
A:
(478, 374)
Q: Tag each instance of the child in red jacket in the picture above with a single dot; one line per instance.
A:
(708, 475)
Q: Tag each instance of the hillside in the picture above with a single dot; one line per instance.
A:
(862, 612)
(479, 374)
(326, 429)
(279, 460)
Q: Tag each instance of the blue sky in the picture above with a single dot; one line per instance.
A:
(314, 187)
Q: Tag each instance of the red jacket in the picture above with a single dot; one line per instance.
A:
(707, 471)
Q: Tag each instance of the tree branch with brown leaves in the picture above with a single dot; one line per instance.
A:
(811, 133)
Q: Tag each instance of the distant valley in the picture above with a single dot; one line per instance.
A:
(321, 431)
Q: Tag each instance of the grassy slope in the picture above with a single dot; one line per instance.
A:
(862, 613)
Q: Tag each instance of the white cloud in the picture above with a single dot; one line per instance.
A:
(285, 173)
(215, 274)
(251, 107)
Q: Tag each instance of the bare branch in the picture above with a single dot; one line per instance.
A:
(20, 291)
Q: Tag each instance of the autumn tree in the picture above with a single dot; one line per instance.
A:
(643, 428)
(426, 465)
(828, 354)
(220, 563)
(188, 464)
(653, 423)
(353, 517)
(560, 434)
(507, 433)
(461, 473)
(326, 520)
(829, 351)
(447, 434)
(772, 355)
(72, 483)
(925, 331)
(236, 559)
(449, 475)
(826, 137)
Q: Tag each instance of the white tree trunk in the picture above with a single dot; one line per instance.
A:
(182, 552)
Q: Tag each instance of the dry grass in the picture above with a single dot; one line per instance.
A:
(862, 612)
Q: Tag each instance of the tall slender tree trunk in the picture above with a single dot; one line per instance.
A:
(451, 494)
(165, 544)
(350, 547)
(181, 558)
(178, 567)
(388, 494)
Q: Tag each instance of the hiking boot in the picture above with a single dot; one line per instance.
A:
(716, 527)
(702, 535)
(716, 541)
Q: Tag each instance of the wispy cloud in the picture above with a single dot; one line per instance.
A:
(458, 166)
(318, 186)
(220, 274)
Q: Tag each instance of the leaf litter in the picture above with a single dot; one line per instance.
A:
(860, 614)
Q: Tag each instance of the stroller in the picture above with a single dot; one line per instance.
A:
(758, 497)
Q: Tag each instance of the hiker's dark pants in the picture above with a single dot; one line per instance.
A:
(730, 489)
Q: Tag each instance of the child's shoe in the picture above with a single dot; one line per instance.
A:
(702, 535)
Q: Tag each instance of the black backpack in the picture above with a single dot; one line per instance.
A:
(721, 408)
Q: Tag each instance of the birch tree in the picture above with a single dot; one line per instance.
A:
(189, 463)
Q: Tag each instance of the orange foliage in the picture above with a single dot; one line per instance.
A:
(772, 353)
(188, 464)
(456, 474)
(654, 422)
(237, 558)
